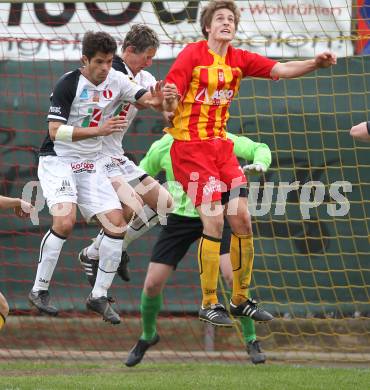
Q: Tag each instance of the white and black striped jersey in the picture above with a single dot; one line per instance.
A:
(77, 102)
(112, 144)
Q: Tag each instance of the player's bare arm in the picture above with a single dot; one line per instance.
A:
(162, 97)
(291, 69)
(57, 130)
(170, 94)
(361, 132)
(21, 208)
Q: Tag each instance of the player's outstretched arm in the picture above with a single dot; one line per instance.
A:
(61, 132)
(361, 132)
(291, 69)
(21, 208)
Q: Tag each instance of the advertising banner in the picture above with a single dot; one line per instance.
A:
(280, 29)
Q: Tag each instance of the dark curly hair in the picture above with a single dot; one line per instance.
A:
(100, 41)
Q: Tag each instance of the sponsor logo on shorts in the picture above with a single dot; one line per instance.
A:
(111, 166)
(83, 166)
(64, 189)
(212, 186)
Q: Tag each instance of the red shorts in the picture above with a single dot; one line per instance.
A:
(205, 169)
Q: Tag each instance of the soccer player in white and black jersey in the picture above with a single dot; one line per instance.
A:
(138, 50)
(83, 111)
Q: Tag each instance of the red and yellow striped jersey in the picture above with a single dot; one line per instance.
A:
(207, 84)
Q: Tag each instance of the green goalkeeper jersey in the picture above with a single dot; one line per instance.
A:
(158, 158)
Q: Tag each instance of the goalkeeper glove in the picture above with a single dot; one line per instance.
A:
(254, 169)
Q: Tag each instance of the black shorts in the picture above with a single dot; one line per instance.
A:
(176, 237)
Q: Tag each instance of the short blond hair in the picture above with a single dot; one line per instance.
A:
(141, 37)
(209, 10)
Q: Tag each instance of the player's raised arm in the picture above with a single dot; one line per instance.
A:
(291, 69)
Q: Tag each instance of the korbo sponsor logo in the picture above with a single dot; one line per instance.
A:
(54, 110)
(83, 166)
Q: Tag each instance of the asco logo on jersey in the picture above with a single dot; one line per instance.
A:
(108, 94)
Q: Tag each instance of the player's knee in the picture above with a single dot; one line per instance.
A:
(64, 226)
(164, 203)
(152, 288)
(213, 231)
(128, 213)
(213, 227)
(113, 222)
(242, 224)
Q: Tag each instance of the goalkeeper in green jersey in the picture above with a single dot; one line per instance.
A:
(184, 227)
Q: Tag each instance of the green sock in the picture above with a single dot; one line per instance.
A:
(149, 308)
(248, 329)
(247, 325)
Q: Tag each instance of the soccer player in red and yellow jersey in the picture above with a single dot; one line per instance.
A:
(208, 75)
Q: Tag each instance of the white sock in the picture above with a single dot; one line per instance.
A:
(137, 227)
(110, 251)
(50, 248)
(92, 251)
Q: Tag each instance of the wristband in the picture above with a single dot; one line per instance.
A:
(64, 133)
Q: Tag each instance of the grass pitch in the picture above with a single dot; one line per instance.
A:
(21, 375)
